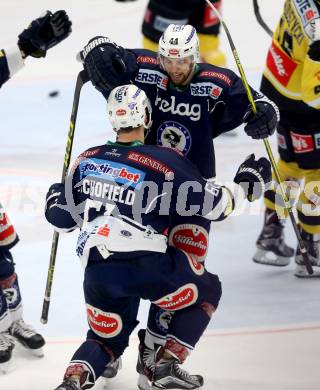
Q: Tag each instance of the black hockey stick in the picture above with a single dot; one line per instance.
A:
(287, 204)
(81, 80)
(262, 23)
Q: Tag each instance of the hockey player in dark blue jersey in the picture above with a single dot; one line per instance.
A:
(42, 34)
(192, 104)
(121, 195)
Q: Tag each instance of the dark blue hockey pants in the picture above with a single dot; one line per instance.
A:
(113, 289)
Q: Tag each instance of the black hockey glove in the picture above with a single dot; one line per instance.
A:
(253, 176)
(53, 194)
(264, 122)
(313, 32)
(44, 33)
(314, 51)
(103, 61)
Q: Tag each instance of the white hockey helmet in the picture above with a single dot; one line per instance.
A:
(128, 107)
(179, 41)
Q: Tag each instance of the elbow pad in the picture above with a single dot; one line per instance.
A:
(231, 200)
(223, 208)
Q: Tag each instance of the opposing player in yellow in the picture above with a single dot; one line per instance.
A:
(292, 80)
(160, 13)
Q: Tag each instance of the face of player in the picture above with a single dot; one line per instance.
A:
(178, 69)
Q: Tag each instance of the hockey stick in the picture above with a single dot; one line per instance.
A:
(81, 80)
(262, 23)
(287, 204)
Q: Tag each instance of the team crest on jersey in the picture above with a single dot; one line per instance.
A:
(163, 319)
(12, 295)
(175, 136)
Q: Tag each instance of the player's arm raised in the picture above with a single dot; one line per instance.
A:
(42, 34)
(237, 109)
(214, 201)
(107, 64)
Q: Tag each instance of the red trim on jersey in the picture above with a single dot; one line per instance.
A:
(147, 60)
(218, 75)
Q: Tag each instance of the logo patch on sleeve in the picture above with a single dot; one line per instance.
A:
(302, 143)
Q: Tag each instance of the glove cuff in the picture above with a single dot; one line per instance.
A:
(14, 59)
(245, 184)
(264, 100)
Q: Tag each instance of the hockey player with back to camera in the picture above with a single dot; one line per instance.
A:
(294, 84)
(121, 195)
(42, 34)
(192, 104)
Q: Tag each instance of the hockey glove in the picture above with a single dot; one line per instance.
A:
(313, 32)
(103, 61)
(44, 33)
(314, 51)
(53, 194)
(253, 176)
(264, 122)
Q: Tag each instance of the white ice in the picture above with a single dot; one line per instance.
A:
(266, 332)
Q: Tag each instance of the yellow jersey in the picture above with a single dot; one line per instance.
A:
(291, 78)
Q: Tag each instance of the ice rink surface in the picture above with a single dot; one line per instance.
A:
(266, 333)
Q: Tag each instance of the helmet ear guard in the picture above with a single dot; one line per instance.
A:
(179, 41)
(129, 107)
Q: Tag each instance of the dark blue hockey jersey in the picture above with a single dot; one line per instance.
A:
(141, 185)
(189, 118)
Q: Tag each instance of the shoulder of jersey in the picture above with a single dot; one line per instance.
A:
(210, 73)
(93, 151)
(308, 11)
(147, 57)
(163, 153)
